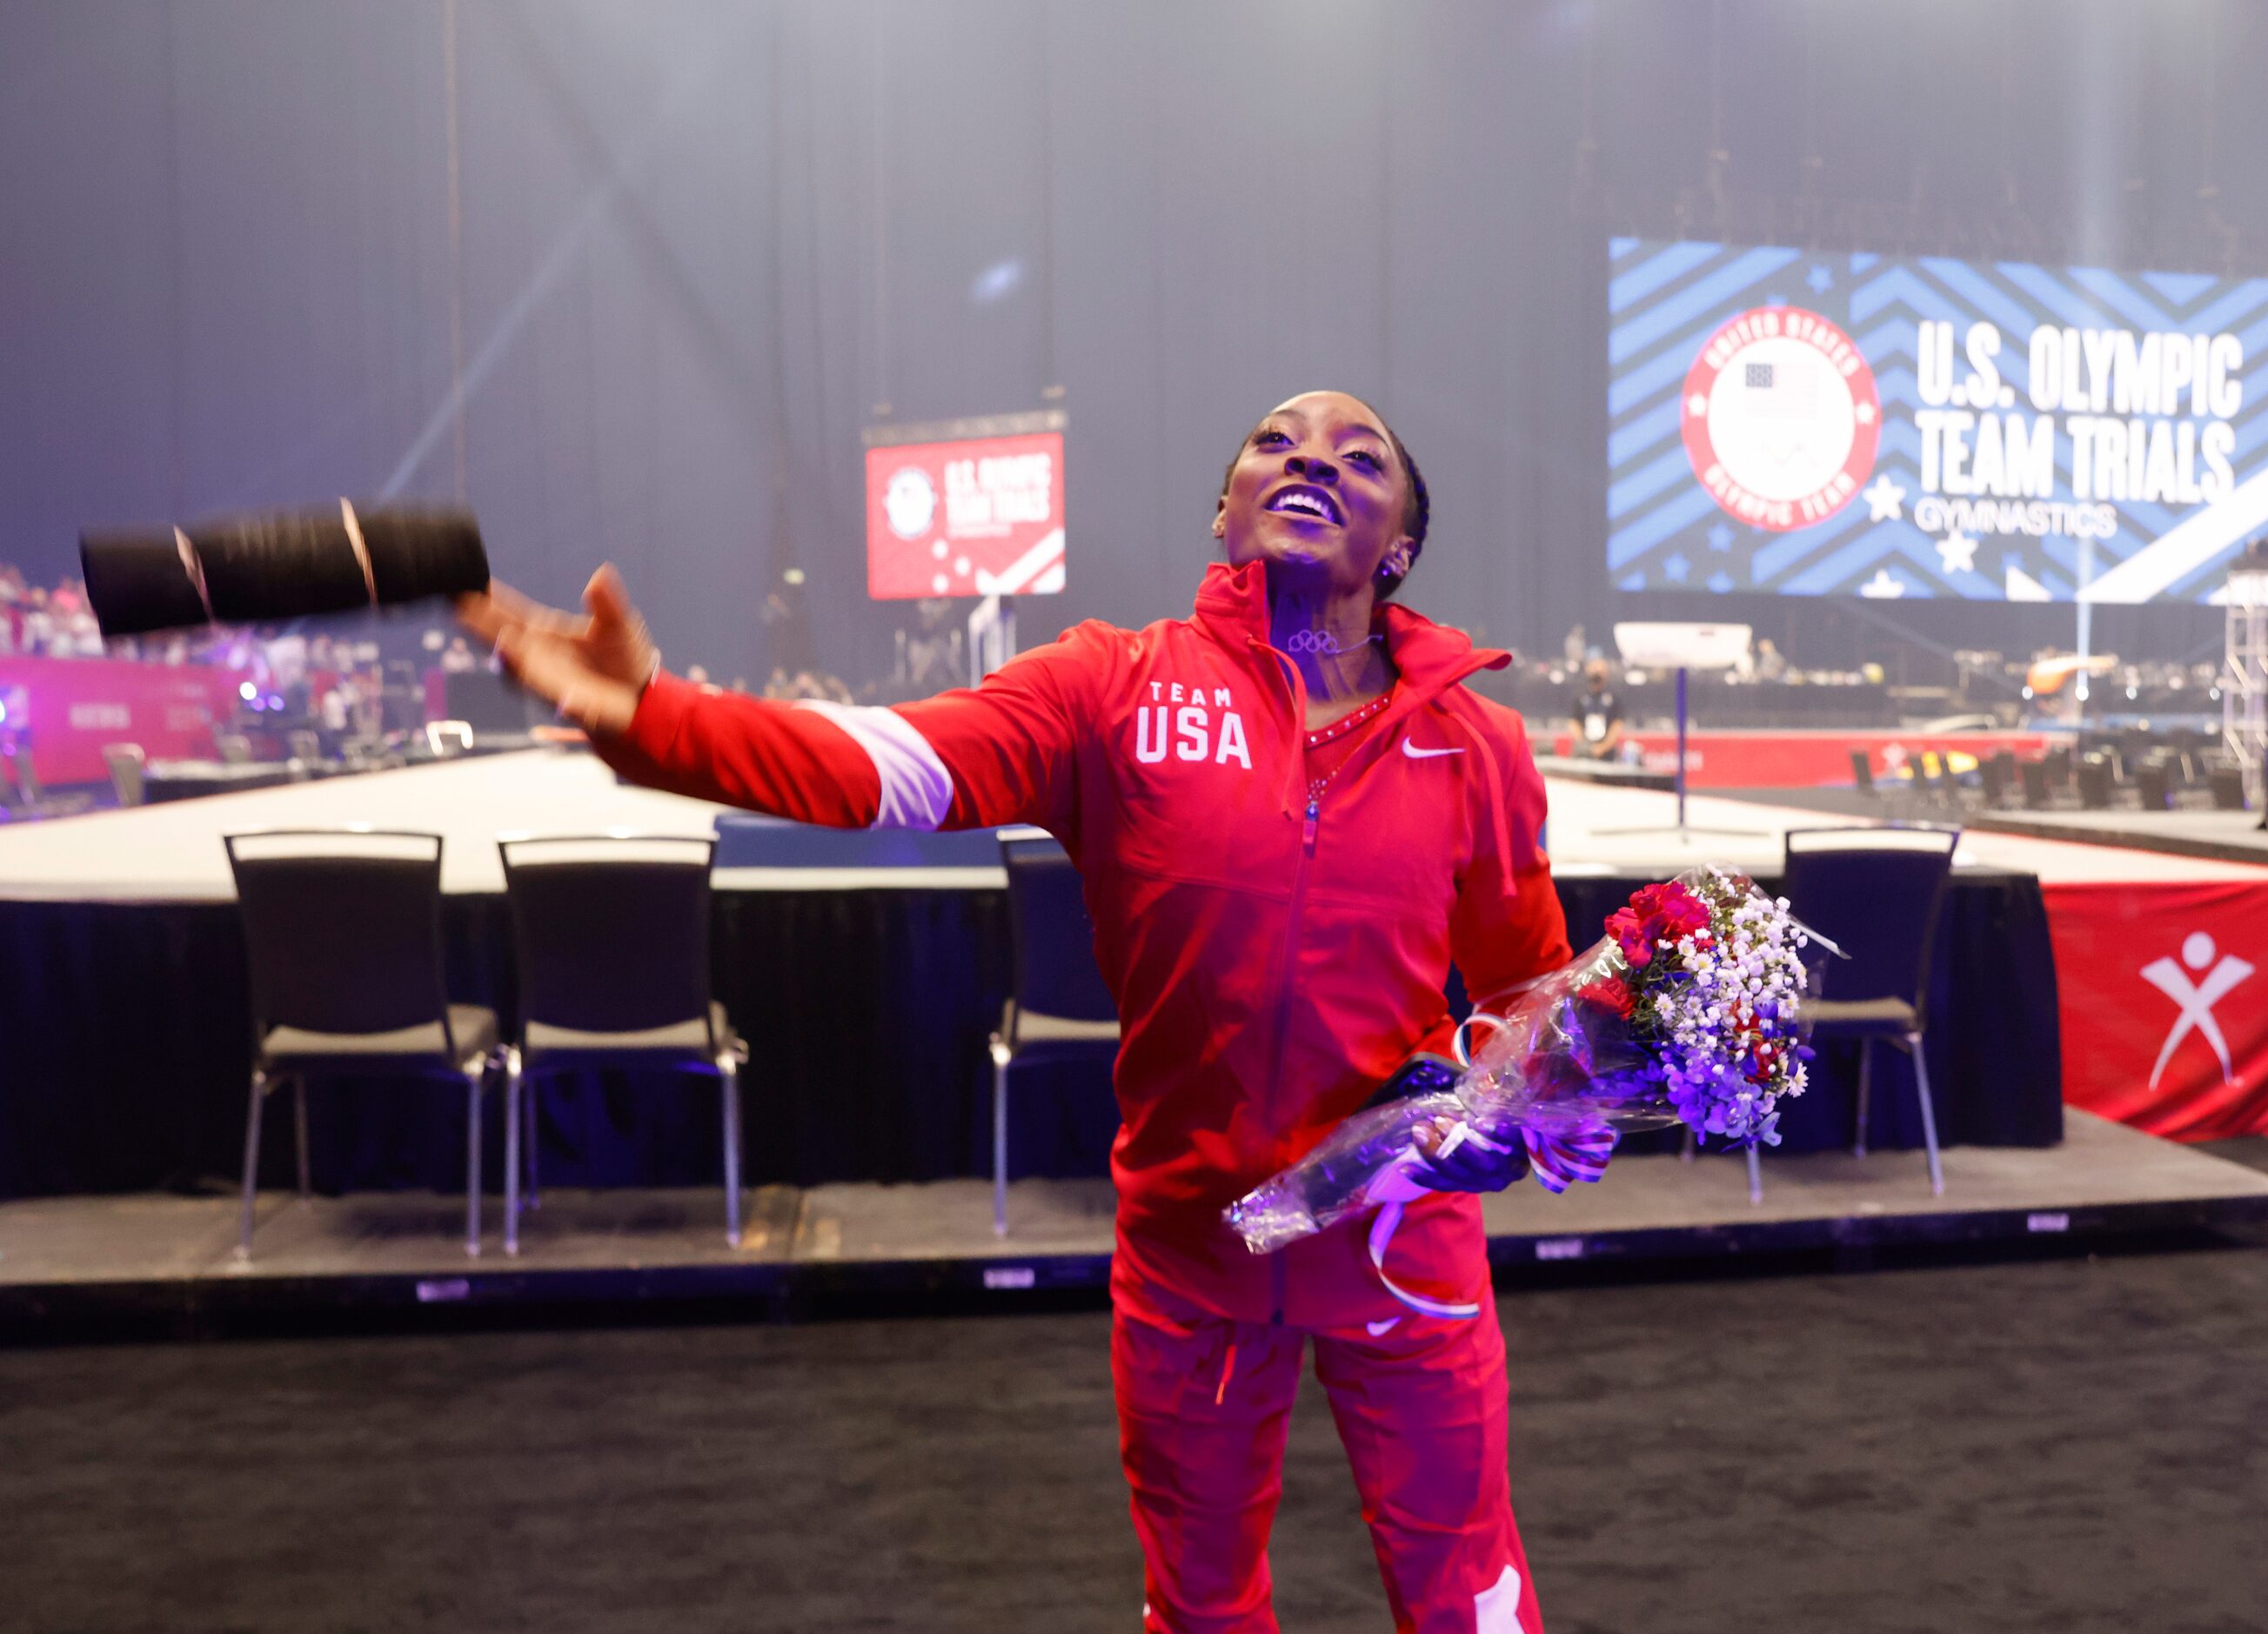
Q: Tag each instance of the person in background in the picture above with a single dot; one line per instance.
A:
(1575, 646)
(23, 784)
(337, 711)
(929, 653)
(1771, 665)
(788, 640)
(1597, 714)
(36, 631)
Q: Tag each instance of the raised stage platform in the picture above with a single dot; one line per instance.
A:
(868, 981)
(867, 970)
(71, 1261)
(2223, 837)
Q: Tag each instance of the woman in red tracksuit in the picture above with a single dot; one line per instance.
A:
(1290, 817)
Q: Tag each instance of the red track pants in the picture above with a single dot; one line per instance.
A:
(1205, 1408)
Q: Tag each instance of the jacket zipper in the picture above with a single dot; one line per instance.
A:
(1278, 1277)
(1290, 972)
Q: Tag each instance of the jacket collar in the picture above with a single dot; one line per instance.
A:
(1233, 605)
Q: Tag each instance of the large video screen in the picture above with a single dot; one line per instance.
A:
(1837, 425)
(966, 516)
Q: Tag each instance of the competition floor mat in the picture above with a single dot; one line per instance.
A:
(882, 1249)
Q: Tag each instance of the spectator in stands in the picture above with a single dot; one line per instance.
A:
(458, 657)
(1597, 714)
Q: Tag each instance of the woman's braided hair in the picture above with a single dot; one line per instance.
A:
(1416, 505)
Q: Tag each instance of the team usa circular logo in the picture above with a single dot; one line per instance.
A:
(910, 502)
(1781, 418)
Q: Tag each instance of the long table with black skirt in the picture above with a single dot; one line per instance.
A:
(127, 1050)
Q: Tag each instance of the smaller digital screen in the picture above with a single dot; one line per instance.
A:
(977, 516)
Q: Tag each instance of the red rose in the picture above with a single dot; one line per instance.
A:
(1609, 993)
(1657, 914)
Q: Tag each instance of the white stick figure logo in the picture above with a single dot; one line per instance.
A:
(2195, 999)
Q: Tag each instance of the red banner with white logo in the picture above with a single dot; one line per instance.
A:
(74, 706)
(2164, 996)
(978, 516)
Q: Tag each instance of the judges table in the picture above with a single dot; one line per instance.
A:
(866, 971)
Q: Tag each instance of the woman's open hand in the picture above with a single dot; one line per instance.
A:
(591, 669)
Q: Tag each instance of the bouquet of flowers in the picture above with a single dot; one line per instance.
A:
(1688, 1010)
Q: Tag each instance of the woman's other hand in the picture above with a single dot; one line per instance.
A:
(591, 669)
(1474, 1164)
(1469, 1163)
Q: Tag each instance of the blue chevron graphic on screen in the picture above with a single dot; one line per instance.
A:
(2038, 433)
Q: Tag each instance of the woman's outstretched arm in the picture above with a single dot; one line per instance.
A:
(1001, 752)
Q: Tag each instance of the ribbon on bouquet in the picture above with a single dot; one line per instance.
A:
(1558, 1162)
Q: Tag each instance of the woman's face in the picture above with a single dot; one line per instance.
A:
(1317, 489)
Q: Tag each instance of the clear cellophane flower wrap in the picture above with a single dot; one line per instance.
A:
(1690, 1009)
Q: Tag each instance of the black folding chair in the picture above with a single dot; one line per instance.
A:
(1875, 894)
(2034, 777)
(611, 935)
(2093, 775)
(343, 929)
(1060, 1010)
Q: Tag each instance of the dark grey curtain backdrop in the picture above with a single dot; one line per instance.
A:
(681, 251)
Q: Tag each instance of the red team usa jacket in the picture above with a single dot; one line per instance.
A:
(1273, 959)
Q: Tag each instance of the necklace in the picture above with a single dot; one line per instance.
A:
(1316, 739)
(1346, 724)
(1324, 644)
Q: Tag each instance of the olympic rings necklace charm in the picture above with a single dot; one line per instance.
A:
(1322, 643)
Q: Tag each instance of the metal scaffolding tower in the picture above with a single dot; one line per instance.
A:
(2244, 685)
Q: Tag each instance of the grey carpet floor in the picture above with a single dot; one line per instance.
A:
(2063, 1447)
